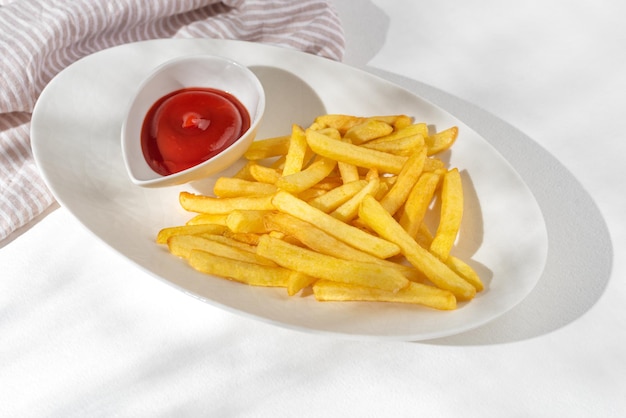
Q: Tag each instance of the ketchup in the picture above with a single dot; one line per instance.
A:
(189, 126)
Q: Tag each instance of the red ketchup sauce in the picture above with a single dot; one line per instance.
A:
(189, 126)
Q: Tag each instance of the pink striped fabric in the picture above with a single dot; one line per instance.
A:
(39, 38)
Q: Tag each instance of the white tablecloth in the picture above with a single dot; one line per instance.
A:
(83, 332)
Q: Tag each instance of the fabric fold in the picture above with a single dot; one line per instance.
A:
(39, 38)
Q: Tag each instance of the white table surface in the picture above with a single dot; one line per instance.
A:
(83, 332)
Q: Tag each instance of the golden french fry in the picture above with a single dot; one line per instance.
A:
(377, 218)
(249, 238)
(268, 148)
(349, 172)
(425, 238)
(371, 174)
(165, 233)
(451, 214)
(418, 129)
(404, 146)
(465, 271)
(354, 154)
(246, 221)
(416, 293)
(331, 268)
(401, 122)
(206, 204)
(340, 122)
(407, 178)
(330, 132)
(344, 122)
(183, 245)
(235, 187)
(308, 177)
(311, 193)
(433, 164)
(334, 198)
(208, 218)
(418, 201)
(229, 241)
(299, 281)
(391, 119)
(264, 174)
(441, 141)
(368, 130)
(355, 237)
(240, 271)
(328, 183)
(349, 210)
(295, 158)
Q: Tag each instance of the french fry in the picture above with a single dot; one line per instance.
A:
(441, 141)
(418, 129)
(404, 146)
(368, 130)
(249, 238)
(340, 122)
(353, 154)
(235, 187)
(311, 193)
(334, 198)
(302, 180)
(241, 271)
(229, 241)
(264, 174)
(465, 271)
(331, 268)
(415, 293)
(355, 237)
(349, 210)
(331, 133)
(183, 245)
(402, 121)
(425, 238)
(349, 172)
(417, 202)
(205, 204)
(299, 281)
(165, 233)
(433, 164)
(295, 158)
(407, 178)
(208, 218)
(451, 214)
(246, 221)
(377, 218)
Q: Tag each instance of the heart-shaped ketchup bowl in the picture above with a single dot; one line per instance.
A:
(192, 117)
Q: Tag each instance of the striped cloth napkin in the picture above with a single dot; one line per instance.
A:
(39, 38)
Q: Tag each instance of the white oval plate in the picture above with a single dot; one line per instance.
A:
(75, 135)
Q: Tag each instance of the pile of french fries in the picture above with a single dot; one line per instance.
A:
(338, 208)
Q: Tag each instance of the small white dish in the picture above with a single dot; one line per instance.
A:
(200, 71)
